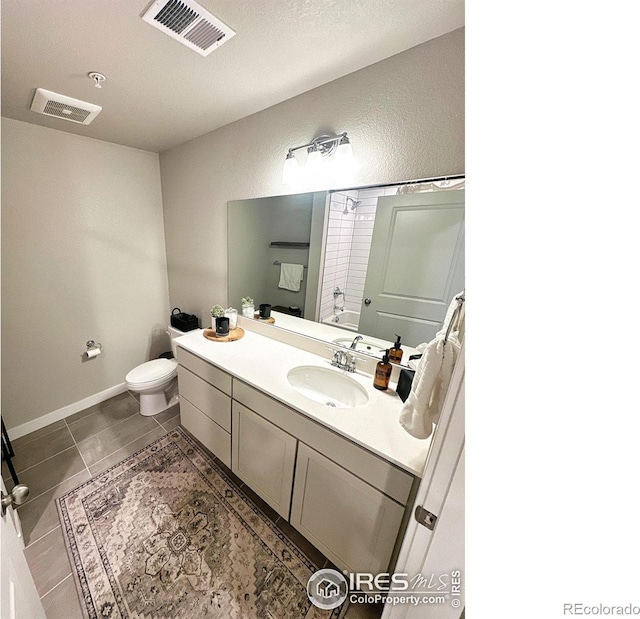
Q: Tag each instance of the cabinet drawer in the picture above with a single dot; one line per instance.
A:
(211, 401)
(209, 433)
(263, 456)
(384, 476)
(208, 372)
(352, 523)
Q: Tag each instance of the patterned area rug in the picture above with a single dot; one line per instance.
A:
(165, 534)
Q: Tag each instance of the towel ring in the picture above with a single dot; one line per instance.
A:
(456, 312)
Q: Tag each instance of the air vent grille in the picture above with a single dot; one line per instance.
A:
(204, 34)
(187, 22)
(176, 16)
(53, 108)
(61, 106)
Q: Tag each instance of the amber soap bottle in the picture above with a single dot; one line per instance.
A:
(383, 372)
(395, 353)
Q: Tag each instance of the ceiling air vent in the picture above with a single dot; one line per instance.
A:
(188, 23)
(53, 104)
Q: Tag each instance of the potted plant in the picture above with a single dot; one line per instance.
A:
(248, 307)
(216, 312)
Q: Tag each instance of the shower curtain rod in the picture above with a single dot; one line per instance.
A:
(400, 183)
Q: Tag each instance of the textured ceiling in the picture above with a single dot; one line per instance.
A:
(159, 94)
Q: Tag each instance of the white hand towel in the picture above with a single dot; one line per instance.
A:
(290, 276)
(431, 381)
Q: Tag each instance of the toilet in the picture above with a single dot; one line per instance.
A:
(156, 381)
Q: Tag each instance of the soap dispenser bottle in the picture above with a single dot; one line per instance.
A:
(395, 353)
(383, 372)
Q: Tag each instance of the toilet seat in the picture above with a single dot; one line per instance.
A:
(152, 373)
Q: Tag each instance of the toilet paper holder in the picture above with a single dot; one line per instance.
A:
(93, 349)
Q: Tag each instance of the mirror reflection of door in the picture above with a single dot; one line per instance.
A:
(421, 275)
(416, 265)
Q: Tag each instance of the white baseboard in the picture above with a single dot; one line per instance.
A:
(65, 411)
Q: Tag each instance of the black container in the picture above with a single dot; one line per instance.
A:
(222, 326)
(182, 321)
(405, 380)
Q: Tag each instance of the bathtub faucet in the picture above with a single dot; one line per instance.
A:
(337, 292)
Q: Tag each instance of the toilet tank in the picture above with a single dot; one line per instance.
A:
(173, 334)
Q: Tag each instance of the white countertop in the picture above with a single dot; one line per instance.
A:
(264, 363)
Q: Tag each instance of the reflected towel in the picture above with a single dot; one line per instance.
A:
(290, 276)
(431, 382)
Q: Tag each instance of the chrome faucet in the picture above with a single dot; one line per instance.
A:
(356, 339)
(343, 360)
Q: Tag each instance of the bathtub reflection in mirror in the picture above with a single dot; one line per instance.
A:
(376, 261)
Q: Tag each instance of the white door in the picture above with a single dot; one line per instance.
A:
(439, 552)
(19, 596)
(416, 265)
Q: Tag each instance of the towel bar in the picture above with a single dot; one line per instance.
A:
(277, 263)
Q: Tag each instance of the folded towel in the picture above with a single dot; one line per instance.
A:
(290, 276)
(433, 375)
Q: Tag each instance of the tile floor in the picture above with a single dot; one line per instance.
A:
(61, 456)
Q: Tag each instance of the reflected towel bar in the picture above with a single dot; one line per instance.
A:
(277, 263)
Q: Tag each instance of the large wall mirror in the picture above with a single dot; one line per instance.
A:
(373, 261)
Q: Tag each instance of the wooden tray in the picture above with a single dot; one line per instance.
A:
(271, 320)
(234, 334)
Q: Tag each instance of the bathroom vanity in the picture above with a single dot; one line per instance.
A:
(343, 477)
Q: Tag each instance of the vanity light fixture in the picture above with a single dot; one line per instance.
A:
(319, 150)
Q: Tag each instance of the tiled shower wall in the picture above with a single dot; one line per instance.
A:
(348, 243)
(337, 251)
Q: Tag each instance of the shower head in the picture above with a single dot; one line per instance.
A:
(354, 205)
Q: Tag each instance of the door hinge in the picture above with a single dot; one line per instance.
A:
(425, 518)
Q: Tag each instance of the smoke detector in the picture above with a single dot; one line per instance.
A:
(60, 106)
(187, 22)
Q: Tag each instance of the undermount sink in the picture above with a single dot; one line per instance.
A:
(327, 386)
(361, 346)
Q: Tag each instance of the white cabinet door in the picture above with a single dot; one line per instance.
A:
(209, 433)
(353, 524)
(211, 401)
(263, 456)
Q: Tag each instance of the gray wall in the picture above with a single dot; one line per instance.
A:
(405, 118)
(253, 226)
(83, 257)
(248, 247)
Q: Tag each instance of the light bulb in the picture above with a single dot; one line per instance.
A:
(290, 170)
(344, 154)
(314, 162)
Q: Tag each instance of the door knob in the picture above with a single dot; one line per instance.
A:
(367, 302)
(17, 496)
